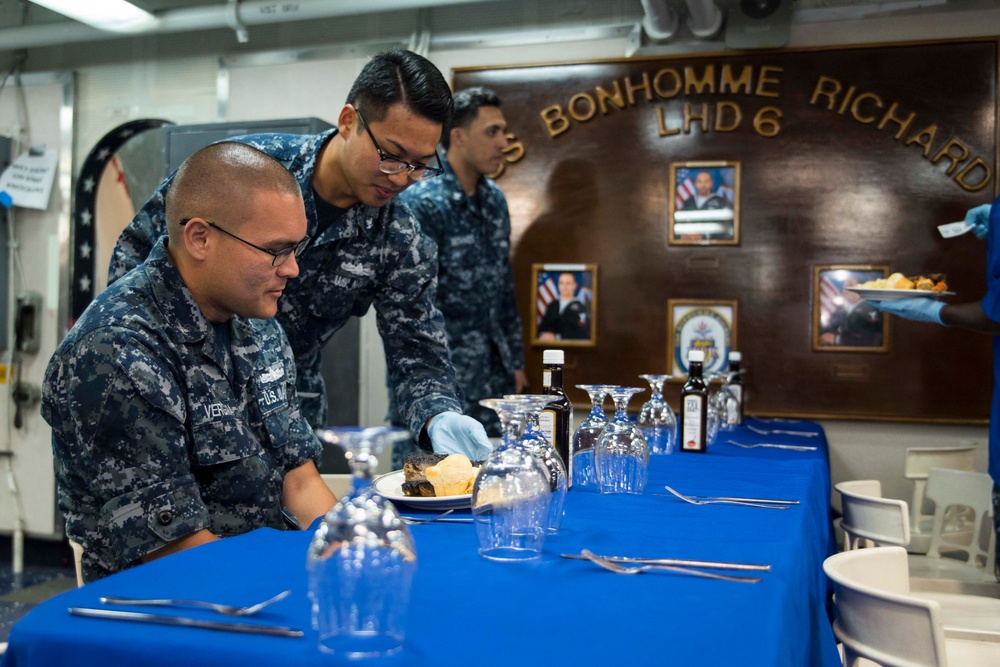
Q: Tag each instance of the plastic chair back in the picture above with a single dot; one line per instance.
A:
(875, 618)
(917, 466)
(870, 518)
(947, 488)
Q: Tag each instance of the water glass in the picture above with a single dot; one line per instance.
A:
(362, 557)
(621, 456)
(582, 474)
(656, 420)
(510, 499)
(535, 441)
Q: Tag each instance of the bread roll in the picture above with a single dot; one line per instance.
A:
(453, 476)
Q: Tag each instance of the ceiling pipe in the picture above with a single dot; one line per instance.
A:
(222, 16)
(704, 18)
(659, 20)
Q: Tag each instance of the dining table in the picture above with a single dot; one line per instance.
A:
(468, 611)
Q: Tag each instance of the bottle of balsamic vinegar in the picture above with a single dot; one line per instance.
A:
(694, 406)
(557, 417)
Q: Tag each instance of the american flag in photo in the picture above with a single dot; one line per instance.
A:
(829, 298)
(547, 293)
(685, 187)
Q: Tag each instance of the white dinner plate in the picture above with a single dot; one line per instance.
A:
(390, 485)
(881, 294)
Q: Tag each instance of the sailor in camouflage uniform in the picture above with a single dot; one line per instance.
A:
(366, 248)
(465, 214)
(174, 415)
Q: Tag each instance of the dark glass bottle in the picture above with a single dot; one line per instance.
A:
(736, 387)
(694, 406)
(557, 416)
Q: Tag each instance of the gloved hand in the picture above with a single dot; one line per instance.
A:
(454, 433)
(979, 218)
(918, 310)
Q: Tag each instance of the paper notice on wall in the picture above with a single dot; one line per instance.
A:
(28, 180)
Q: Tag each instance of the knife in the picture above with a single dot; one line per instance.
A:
(719, 565)
(250, 628)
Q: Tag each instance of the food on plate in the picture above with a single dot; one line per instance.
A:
(450, 475)
(933, 282)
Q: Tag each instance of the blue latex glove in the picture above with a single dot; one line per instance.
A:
(453, 433)
(979, 218)
(918, 310)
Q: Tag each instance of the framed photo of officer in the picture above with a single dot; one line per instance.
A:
(704, 203)
(565, 305)
(842, 320)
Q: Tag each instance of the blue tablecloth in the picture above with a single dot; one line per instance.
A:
(468, 611)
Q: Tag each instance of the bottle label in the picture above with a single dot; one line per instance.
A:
(693, 410)
(546, 378)
(547, 424)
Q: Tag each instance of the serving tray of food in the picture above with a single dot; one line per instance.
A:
(430, 481)
(897, 286)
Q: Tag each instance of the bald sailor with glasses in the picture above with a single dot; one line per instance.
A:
(366, 248)
(172, 400)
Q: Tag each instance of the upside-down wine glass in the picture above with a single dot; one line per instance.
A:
(538, 444)
(713, 410)
(621, 456)
(656, 420)
(510, 499)
(581, 468)
(362, 557)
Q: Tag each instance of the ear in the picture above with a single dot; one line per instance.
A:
(347, 120)
(456, 136)
(196, 238)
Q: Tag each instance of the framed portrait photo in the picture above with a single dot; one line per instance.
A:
(695, 324)
(565, 312)
(843, 321)
(704, 203)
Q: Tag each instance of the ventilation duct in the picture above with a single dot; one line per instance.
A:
(704, 18)
(659, 21)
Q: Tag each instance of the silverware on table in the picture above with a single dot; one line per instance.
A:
(228, 626)
(755, 445)
(760, 431)
(719, 501)
(637, 569)
(681, 562)
(224, 609)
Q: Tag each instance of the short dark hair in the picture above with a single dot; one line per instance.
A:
(402, 76)
(467, 103)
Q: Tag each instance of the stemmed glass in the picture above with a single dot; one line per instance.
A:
(656, 420)
(510, 499)
(621, 456)
(581, 466)
(538, 444)
(715, 408)
(362, 557)
(726, 405)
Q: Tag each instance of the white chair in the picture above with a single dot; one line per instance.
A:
(950, 489)
(869, 519)
(878, 620)
(339, 483)
(917, 466)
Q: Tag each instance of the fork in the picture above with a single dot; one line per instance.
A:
(638, 569)
(415, 521)
(719, 501)
(760, 431)
(224, 609)
(794, 448)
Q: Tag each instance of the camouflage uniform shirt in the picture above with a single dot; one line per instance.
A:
(475, 280)
(159, 431)
(370, 256)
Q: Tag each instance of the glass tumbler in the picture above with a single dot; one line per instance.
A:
(621, 456)
(656, 420)
(585, 437)
(510, 499)
(362, 557)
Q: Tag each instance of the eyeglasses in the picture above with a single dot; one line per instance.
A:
(390, 164)
(279, 257)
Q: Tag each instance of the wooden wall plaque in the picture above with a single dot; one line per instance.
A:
(847, 156)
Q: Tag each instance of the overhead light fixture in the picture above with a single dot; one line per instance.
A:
(111, 15)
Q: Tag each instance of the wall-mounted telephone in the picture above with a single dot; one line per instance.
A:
(28, 323)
